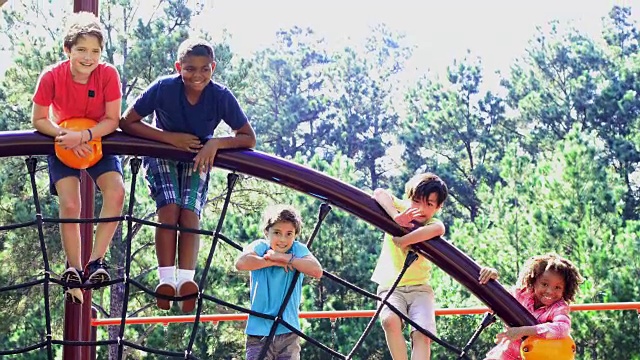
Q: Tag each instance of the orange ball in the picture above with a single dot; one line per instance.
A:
(537, 348)
(68, 157)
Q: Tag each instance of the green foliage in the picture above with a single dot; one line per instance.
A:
(458, 133)
(286, 103)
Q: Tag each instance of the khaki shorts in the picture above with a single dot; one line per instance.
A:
(282, 347)
(414, 301)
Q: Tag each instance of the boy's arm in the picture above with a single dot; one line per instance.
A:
(387, 202)
(423, 233)
(109, 123)
(41, 122)
(384, 198)
(308, 265)
(249, 260)
(244, 137)
(131, 123)
(113, 102)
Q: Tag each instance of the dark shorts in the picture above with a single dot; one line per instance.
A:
(282, 347)
(173, 182)
(59, 171)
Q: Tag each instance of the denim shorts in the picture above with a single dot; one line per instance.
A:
(59, 171)
(282, 347)
(174, 182)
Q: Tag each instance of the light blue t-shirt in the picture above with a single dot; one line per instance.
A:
(268, 289)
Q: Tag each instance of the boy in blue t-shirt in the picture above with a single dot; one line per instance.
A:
(270, 261)
(187, 108)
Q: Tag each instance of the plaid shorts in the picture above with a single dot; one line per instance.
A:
(173, 182)
(282, 347)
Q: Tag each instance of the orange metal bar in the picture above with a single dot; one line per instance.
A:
(342, 314)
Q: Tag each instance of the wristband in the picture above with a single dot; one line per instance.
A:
(291, 260)
(90, 135)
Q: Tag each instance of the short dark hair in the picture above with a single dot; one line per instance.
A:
(195, 47)
(537, 265)
(82, 24)
(419, 187)
(281, 213)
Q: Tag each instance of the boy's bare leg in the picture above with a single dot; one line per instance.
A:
(392, 325)
(188, 243)
(421, 348)
(112, 188)
(166, 238)
(69, 197)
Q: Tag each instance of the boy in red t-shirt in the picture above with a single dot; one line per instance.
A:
(82, 87)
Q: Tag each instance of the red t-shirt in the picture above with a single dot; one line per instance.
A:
(69, 99)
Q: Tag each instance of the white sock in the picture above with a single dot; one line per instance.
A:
(184, 274)
(167, 274)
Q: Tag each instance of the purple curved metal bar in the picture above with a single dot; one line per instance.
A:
(311, 182)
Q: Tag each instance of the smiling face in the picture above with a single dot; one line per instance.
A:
(281, 236)
(84, 56)
(196, 72)
(548, 288)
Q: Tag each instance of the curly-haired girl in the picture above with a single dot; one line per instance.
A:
(547, 283)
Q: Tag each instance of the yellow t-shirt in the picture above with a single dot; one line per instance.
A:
(392, 258)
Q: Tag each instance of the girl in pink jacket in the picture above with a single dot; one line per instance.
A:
(547, 283)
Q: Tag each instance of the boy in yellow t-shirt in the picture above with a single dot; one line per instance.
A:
(424, 195)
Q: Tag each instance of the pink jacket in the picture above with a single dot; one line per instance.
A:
(555, 323)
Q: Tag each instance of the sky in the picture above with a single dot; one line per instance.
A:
(495, 30)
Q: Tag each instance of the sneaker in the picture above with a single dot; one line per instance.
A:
(96, 272)
(166, 289)
(186, 288)
(72, 277)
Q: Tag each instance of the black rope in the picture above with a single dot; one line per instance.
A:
(135, 167)
(232, 179)
(31, 167)
(411, 257)
(18, 226)
(27, 348)
(22, 285)
(488, 319)
(277, 320)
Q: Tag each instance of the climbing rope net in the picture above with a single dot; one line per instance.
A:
(130, 219)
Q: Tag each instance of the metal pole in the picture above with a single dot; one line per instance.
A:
(94, 334)
(77, 318)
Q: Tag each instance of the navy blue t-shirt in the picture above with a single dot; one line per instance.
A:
(167, 99)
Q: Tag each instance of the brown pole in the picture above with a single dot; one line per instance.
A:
(77, 318)
(94, 334)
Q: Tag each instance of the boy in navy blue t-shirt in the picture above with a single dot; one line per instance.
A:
(187, 108)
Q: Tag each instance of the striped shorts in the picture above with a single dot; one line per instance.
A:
(173, 182)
